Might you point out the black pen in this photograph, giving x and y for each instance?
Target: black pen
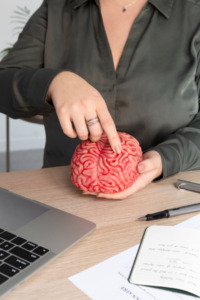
(172, 212)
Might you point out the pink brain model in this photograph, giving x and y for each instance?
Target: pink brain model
(96, 168)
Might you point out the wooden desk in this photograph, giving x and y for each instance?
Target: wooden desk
(117, 225)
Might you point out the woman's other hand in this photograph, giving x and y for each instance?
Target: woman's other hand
(77, 102)
(149, 169)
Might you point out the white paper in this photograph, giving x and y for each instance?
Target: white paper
(169, 257)
(109, 280)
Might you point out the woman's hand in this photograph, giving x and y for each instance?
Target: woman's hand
(149, 169)
(77, 102)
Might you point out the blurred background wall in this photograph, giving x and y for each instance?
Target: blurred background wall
(23, 135)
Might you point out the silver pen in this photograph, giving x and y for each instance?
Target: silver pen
(180, 184)
(187, 185)
(172, 212)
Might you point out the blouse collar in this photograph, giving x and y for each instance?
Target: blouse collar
(163, 6)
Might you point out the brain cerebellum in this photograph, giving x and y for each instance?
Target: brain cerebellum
(96, 168)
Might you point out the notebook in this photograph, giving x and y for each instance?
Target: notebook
(31, 235)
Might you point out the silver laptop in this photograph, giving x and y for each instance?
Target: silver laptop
(31, 235)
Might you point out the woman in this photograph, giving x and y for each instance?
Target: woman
(126, 65)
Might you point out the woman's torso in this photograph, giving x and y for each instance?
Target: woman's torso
(148, 85)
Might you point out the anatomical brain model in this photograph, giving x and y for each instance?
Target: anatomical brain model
(96, 168)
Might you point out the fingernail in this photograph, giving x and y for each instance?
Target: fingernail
(117, 149)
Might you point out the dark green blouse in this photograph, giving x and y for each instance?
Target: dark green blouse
(153, 95)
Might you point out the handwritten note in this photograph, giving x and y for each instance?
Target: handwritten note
(169, 257)
(109, 279)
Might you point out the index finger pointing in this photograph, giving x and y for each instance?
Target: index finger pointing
(109, 128)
